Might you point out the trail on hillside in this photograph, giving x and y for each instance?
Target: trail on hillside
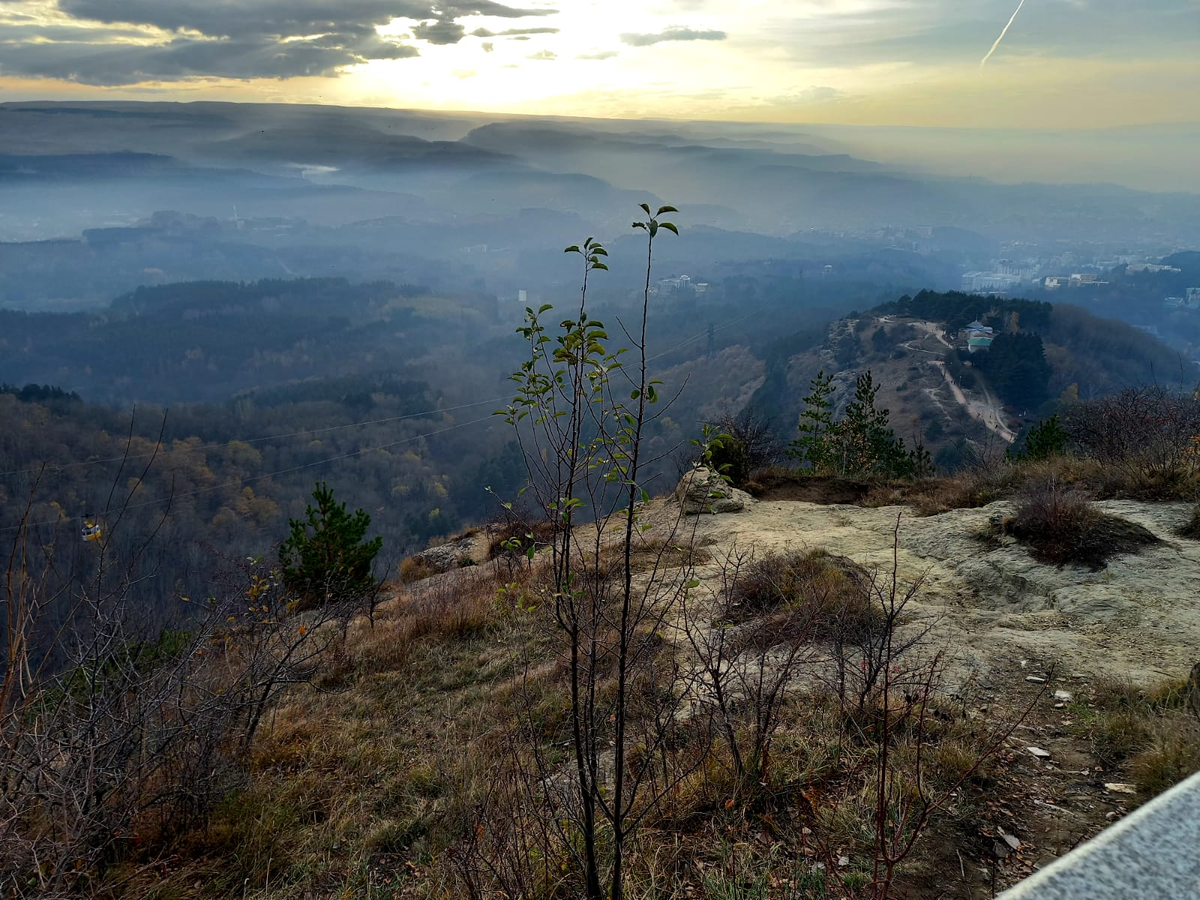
(987, 412)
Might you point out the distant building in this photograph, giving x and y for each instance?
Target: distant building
(978, 336)
(1193, 297)
(523, 298)
(678, 284)
(979, 342)
(1150, 269)
(988, 282)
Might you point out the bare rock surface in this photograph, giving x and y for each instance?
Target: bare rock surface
(1138, 617)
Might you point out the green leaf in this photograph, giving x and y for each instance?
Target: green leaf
(670, 227)
(665, 209)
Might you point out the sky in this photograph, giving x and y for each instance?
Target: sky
(1063, 64)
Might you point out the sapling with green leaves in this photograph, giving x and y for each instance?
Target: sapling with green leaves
(580, 413)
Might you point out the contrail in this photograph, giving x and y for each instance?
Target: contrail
(1002, 34)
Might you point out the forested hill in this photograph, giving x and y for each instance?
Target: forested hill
(223, 482)
(1040, 354)
(209, 340)
(1098, 356)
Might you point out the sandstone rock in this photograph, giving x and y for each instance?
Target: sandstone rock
(446, 557)
(1120, 788)
(704, 491)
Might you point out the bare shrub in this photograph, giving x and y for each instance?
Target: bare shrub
(1148, 432)
(110, 737)
(1061, 526)
(809, 593)
(516, 535)
(743, 674)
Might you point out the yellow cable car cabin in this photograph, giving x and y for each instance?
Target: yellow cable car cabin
(92, 531)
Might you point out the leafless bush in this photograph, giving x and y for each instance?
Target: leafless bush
(1148, 432)
(1061, 526)
(130, 736)
(742, 678)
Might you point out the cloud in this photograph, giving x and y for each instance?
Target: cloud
(281, 18)
(603, 54)
(511, 32)
(543, 55)
(443, 31)
(117, 64)
(671, 34)
(120, 42)
(488, 46)
(814, 94)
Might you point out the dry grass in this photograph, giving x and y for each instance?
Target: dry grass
(1147, 732)
(381, 768)
(1191, 528)
(1171, 754)
(415, 568)
(810, 592)
(373, 786)
(1061, 526)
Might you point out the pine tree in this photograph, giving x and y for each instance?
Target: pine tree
(1046, 439)
(327, 555)
(815, 445)
(868, 444)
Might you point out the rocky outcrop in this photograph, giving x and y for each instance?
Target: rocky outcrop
(449, 556)
(704, 491)
(1136, 618)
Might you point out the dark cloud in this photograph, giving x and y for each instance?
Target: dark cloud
(115, 64)
(672, 34)
(543, 55)
(240, 39)
(510, 32)
(603, 54)
(443, 31)
(281, 18)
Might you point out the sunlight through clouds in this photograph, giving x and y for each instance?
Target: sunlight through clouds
(853, 61)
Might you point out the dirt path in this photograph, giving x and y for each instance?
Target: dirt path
(933, 330)
(987, 412)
